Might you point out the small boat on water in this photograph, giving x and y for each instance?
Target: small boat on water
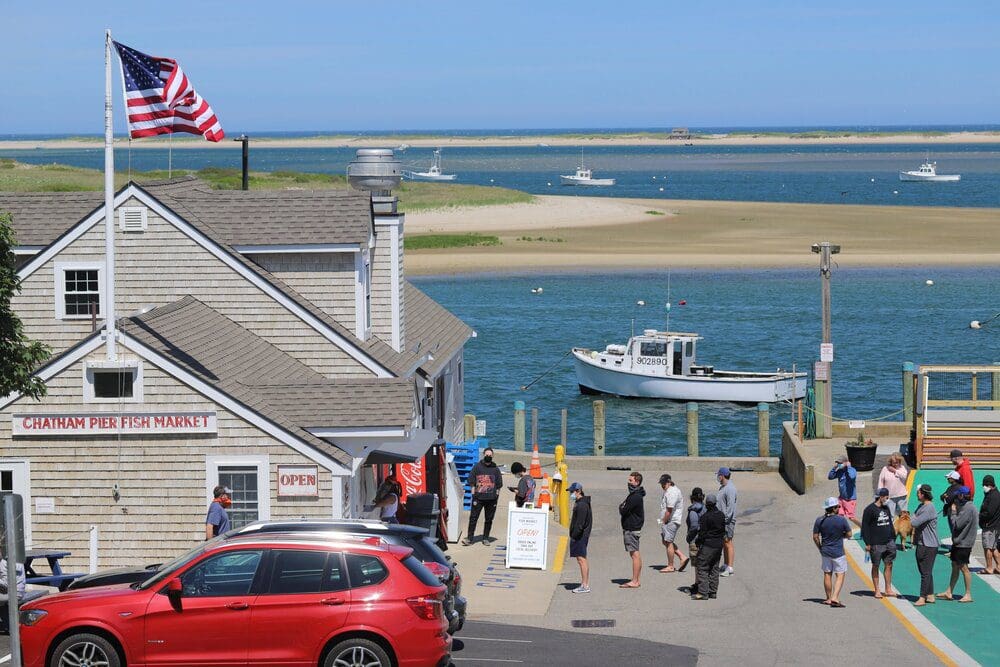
(433, 173)
(928, 172)
(661, 364)
(584, 176)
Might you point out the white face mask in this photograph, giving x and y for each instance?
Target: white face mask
(986, 489)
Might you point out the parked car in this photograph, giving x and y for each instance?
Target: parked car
(424, 548)
(275, 599)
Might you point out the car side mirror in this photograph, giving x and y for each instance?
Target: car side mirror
(175, 591)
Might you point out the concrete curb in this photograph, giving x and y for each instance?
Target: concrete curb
(757, 464)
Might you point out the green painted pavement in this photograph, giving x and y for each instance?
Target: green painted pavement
(972, 627)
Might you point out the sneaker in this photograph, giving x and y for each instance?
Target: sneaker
(581, 589)
(489, 540)
(727, 572)
(711, 596)
(722, 568)
(466, 542)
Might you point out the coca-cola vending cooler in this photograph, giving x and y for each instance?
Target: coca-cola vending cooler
(427, 475)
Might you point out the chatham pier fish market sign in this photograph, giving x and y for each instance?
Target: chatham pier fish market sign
(104, 423)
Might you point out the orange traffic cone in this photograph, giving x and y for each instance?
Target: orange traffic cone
(536, 464)
(543, 496)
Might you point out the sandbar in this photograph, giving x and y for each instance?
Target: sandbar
(595, 233)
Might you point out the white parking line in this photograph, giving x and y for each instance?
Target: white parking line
(484, 660)
(491, 639)
(6, 658)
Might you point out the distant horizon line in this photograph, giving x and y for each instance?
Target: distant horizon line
(714, 129)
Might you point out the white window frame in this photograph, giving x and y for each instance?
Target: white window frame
(20, 465)
(363, 295)
(124, 211)
(263, 464)
(60, 270)
(88, 380)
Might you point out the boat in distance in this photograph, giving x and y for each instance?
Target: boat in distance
(661, 364)
(585, 176)
(928, 173)
(433, 173)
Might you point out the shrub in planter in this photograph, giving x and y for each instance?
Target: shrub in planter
(861, 452)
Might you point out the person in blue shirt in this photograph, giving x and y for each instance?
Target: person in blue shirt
(217, 521)
(829, 532)
(846, 477)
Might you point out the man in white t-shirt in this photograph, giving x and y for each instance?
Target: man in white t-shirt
(671, 515)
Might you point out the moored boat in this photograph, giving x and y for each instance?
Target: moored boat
(585, 176)
(928, 173)
(661, 364)
(433, 173)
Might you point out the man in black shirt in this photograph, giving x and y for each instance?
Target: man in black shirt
(879, 536)
(633, 516)
(711, 531)
(485, 481)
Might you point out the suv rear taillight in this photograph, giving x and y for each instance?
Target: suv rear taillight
(427, 608)
(438, 570)
(458, 582)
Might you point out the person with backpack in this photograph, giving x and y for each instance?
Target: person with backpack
(524, 492)
(695, 511)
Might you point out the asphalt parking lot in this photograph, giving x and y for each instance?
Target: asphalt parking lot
(483, 643)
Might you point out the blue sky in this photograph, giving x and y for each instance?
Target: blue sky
(390, 65)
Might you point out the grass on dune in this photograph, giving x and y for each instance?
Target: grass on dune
(437, 241)
(19, 177)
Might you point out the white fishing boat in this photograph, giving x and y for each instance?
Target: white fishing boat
(433, 173)
(661, 364)
(928, 172)
(584, 176)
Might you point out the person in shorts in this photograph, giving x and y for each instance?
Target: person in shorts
(829, 533)
(847, 497)
(879, 536)
(989, 521)
(579, 534)
(633, 516)
(671, 515)
(964, 520)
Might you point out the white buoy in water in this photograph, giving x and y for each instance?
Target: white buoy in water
(668, 305)
(640, 302)
(654, 178)
(895, 192)
(873, 180)
(491, 180)
(661, 189)
(537, 290)
(975, 324)
(928, 282)
(549, 184)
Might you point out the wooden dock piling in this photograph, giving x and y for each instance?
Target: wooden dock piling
(763, 430)
(598, 428)
(518, 426)
(692, 429)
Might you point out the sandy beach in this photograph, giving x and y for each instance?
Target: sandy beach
(393, 141)
(582, 233)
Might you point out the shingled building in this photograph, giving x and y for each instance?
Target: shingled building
(268, 341)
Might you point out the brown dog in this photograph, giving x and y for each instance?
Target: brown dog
(903, 528)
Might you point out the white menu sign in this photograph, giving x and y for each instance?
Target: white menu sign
(527, 536)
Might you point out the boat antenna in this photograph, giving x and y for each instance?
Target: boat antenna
(668, 301)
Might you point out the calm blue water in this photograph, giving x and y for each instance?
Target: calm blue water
(864, 174)
(754, 320)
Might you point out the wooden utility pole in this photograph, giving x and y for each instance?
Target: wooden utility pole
(824, 393)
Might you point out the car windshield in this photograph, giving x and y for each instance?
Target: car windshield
(175, 564)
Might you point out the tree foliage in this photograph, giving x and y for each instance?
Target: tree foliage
(19, 357)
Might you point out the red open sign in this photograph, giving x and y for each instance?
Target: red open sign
(298, 481)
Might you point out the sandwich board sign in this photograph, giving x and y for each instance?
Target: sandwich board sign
(527, 536)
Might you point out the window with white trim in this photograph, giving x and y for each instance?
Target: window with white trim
(79, 291)
(248, 479)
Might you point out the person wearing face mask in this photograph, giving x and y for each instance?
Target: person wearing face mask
(964, 520)
(989, 521)
(579, 534)
(217, 521)
(633, 516)
(485, 480)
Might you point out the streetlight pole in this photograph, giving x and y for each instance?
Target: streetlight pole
(822, 375)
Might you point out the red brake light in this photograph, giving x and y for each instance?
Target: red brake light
(438, 570)
(458, 581)
(427, 608)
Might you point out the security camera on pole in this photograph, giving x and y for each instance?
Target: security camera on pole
(822, 375)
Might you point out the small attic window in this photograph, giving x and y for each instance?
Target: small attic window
(132, 218)
(113, 381)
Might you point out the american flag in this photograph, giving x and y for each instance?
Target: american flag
(161, 99)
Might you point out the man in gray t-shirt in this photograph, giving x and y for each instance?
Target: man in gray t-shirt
(727, 505)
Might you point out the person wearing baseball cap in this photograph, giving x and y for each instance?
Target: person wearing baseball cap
(964, 469)
(217, 520)
(829, 533)
(954, 481)
(727, 505)
(579, 533)
(846, 477)
(879, 537)
(710, 540)
(964, 520)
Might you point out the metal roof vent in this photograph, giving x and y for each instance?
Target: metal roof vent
(375, 170)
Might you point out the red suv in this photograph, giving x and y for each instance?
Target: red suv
(264, 600)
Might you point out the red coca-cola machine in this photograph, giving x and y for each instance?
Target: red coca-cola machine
(425, 475)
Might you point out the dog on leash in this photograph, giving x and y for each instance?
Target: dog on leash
(903, 529)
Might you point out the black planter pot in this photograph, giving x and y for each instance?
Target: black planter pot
(862, 458)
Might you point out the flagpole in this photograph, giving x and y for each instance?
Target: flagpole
(109, 207)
